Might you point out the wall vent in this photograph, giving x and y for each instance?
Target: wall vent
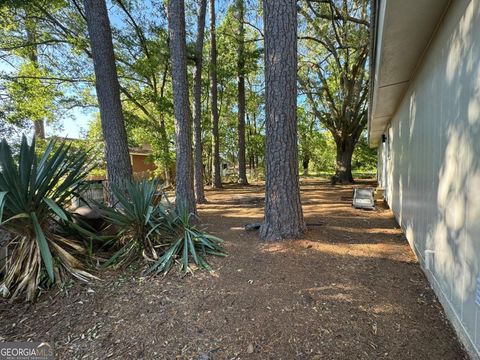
(429, 259)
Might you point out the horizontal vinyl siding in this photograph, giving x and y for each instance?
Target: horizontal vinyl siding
(432, 159)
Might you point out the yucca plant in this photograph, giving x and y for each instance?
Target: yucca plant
(187, 243)
(138, 222)
(34, 193)
(149, 226)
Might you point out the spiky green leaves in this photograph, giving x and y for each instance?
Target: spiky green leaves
(150, 226)
(188, 244)
(33, 195)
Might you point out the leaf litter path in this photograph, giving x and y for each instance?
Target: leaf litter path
(351, 289)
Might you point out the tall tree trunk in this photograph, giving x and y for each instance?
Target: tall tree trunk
(248, 135)
(255, 155)
(283, 209)
(209, 165)
(169, 171)
(119, 168)
(165, 154)
(242, 170)
(217, 180)
(30, 27)
(183, 118)
(305, 163)
(197, 94)
(343, 169)
(39, 129)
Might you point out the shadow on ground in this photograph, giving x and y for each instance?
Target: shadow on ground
(351, 289)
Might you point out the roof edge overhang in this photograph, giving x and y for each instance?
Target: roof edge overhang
(401, 34)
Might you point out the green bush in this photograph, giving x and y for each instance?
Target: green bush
(150, 227)
(47, 246)
(186, 243)
(137, 218)
(34, 193)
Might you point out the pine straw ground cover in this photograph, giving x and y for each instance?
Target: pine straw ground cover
(351, 289)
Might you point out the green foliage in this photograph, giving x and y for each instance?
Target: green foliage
(145, 79)
(47, 245)
(63, 75)
(34, 193)
(149, 226)
(227, 72)
(318, 148)
(52, 71)
(364, 157)
(94, 139)
(227, 49)
(29, 98)
(333, 72)
(92, 145)
(324, 155)
(40, 71)
(187, 244)
(138, 220)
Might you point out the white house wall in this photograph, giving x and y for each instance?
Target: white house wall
(432, 159)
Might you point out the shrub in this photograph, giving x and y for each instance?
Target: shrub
(34, 193)
(152, 228)
(138, 222)
(186, 244)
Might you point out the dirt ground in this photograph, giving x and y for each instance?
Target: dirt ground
(351, 289)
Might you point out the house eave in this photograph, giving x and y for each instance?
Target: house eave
(402, 33)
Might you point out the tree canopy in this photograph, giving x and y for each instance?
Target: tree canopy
(47, 75)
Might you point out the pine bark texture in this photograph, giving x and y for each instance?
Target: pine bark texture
(169, 170)
(242, 166)
(183, 118)
(119, 169)
(197, 95)
(283, 209)
(216, 176)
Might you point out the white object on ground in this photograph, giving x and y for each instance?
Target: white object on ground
(363, 198)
